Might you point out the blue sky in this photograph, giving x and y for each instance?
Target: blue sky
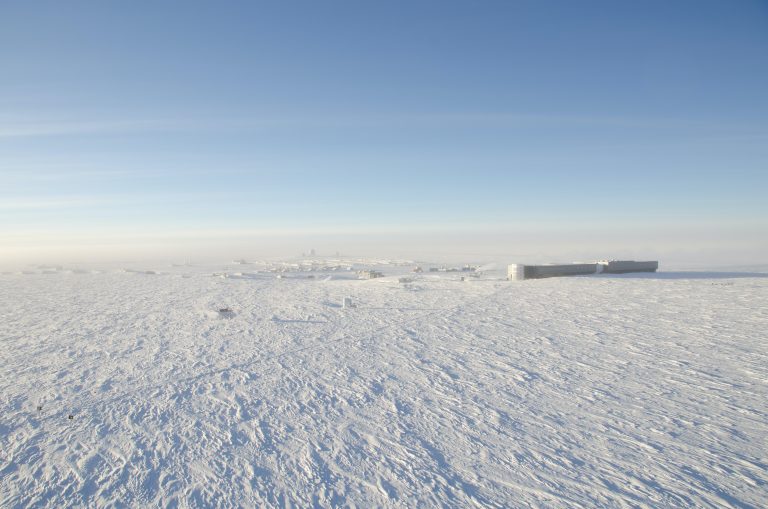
(186, 118)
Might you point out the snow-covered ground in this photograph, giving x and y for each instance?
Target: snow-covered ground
(633, 391)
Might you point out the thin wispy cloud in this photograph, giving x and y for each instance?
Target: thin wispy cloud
(11, 129)
(53, 202)
(32, 203)
(64, 174)
(434, 120)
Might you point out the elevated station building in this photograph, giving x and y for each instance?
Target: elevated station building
(519, 271)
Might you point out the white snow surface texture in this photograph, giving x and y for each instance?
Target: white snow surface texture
(570, 392)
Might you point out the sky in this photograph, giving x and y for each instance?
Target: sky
(527, 129)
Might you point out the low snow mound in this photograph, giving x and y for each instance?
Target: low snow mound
(217, 312)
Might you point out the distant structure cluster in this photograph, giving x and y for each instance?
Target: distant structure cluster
(369, 274)
(519, 271)
(465, 268)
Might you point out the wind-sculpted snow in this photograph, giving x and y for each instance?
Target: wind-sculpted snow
(581, 392)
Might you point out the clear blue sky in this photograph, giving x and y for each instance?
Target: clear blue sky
(188, 116)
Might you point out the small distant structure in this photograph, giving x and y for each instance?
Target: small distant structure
(346, 302)
(520, 272)
(417, 269)
(369, 274)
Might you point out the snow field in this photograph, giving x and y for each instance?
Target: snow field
(568, 392)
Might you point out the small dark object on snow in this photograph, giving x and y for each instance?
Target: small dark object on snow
(39, 409)
(71, 417)
(225, 310)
